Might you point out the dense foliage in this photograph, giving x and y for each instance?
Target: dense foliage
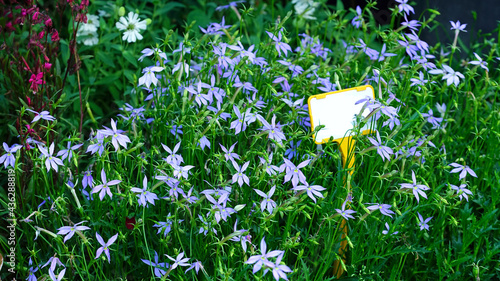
(174, 140)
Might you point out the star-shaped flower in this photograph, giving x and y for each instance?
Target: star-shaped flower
(116, 135)
(178, 261)
(463, 170)
(104, 246)
(418, 189)
(312, 190)
(104, 187)
(144, 195)
(69, 231)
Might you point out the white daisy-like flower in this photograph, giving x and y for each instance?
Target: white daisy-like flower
(305, 8)
(91, 25)
(87, 38)
(132, 27)
(87, 32)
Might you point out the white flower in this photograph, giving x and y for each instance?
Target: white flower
(305, 8)
(88, 39)
(87, 32)
(452, 76)
(91, 25)
(149, 76)
(132, 27)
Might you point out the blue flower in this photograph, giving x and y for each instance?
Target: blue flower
(8, 159)
(144, 195)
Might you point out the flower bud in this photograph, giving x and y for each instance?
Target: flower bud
(55, 36)
(121, 11)
(148, 21)
(48, 22)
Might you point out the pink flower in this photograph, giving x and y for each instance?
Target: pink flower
(55, 36)
(36, 80)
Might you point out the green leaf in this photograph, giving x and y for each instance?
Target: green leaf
(108, 79)
(130, 58)
(13, 130)
(106, 59)
(340, 5)
(200, 17)
(108, 37)
(168, 7)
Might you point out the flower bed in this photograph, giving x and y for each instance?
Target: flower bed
(205, 167)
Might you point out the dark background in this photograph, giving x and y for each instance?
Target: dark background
(486, 20)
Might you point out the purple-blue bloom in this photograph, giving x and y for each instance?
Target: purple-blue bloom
(8, 158)
(149, 76)
(173, 158)
(279, 269)
(32, 270)
(420, 81)
(416, 188)
(116, 135)
(423, 223)
(463, 170)
(262, 259)
(413, 24)
(345, 213)
(144, 195)
(178, 261)
(239, 124)
(181, 171)
(98, 146)
(175, 191)
(207, 226)
(267, 203)
(435, 121)
(457, 26)
(421, 45)
(68, 153)
(294, 173)
(383, 54)
(358, 19)
(203, 142)
(231, 4)
(176, 130)
(147, 52)
(239, 176)
(104, 187)
(270, 169)
(104, 246)
(159, 268)
(384, 208)
(87, 180)
(50, 161)
(462, 191)
(164, 227)
(273, 130)
(229, 154)
(383, 151)
(45, 115)
(404, 6)
(280, 46)
(240, 238)
(292, 151)
(312, 190)
(385, 232)
(69, 231)
(196, 265)
(479, 62)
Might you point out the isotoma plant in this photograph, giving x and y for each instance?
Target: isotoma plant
(209, 169)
